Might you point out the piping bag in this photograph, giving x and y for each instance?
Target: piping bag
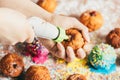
(46, 30)
(42, 29)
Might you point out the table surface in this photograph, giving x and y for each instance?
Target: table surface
(59, 70)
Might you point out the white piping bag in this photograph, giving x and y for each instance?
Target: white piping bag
(46, 30)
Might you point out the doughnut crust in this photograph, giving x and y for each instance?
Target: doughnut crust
(92, 19)
(37, 73)
(75, 40)
(76, 77)
(113, 38)
(12, 65)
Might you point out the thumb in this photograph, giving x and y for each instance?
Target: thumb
(84, 30)
(30, 34)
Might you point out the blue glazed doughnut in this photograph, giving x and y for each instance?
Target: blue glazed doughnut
(102, 58)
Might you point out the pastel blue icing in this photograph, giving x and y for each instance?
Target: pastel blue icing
(103, 70)
(102, 59)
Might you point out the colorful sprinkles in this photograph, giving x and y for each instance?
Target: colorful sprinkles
(102, 59)
(111, 13)
(37, 52)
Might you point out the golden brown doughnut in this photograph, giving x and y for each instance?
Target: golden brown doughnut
(37, 73)
(12, 65)
(92, 19)
(75, 40)
(76, 77)
(113, 38)
(49, 5)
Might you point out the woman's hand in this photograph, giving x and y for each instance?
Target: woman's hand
(66, 23)
(14, 27)
(70, 22)
(57, 49)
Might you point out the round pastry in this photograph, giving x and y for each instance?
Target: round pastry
(76, 77)
(113, 38)
(102, 56)
(92, 19)
(37, 73)
(48, 5)
(75, 40)
(12, 65)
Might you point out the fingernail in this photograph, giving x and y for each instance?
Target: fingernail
(81, 54)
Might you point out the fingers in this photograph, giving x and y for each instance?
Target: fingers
(30, 38)
(88, 47)
(61, 49)
(22, 38)
(84, 30)
(58, 51)
(81, 53)
(13, 43)
(70, 54)
(6, 42)
(86, 35)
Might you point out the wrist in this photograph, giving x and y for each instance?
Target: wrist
(47, 16)
(51, 18)
(29, 10)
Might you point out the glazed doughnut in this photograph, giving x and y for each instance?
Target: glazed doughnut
(12, 65)
(75, 40)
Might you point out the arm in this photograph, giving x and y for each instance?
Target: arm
(26, 7)
(14, 27)
(29, 9)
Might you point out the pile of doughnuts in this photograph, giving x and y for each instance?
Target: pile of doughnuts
(12, 65)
